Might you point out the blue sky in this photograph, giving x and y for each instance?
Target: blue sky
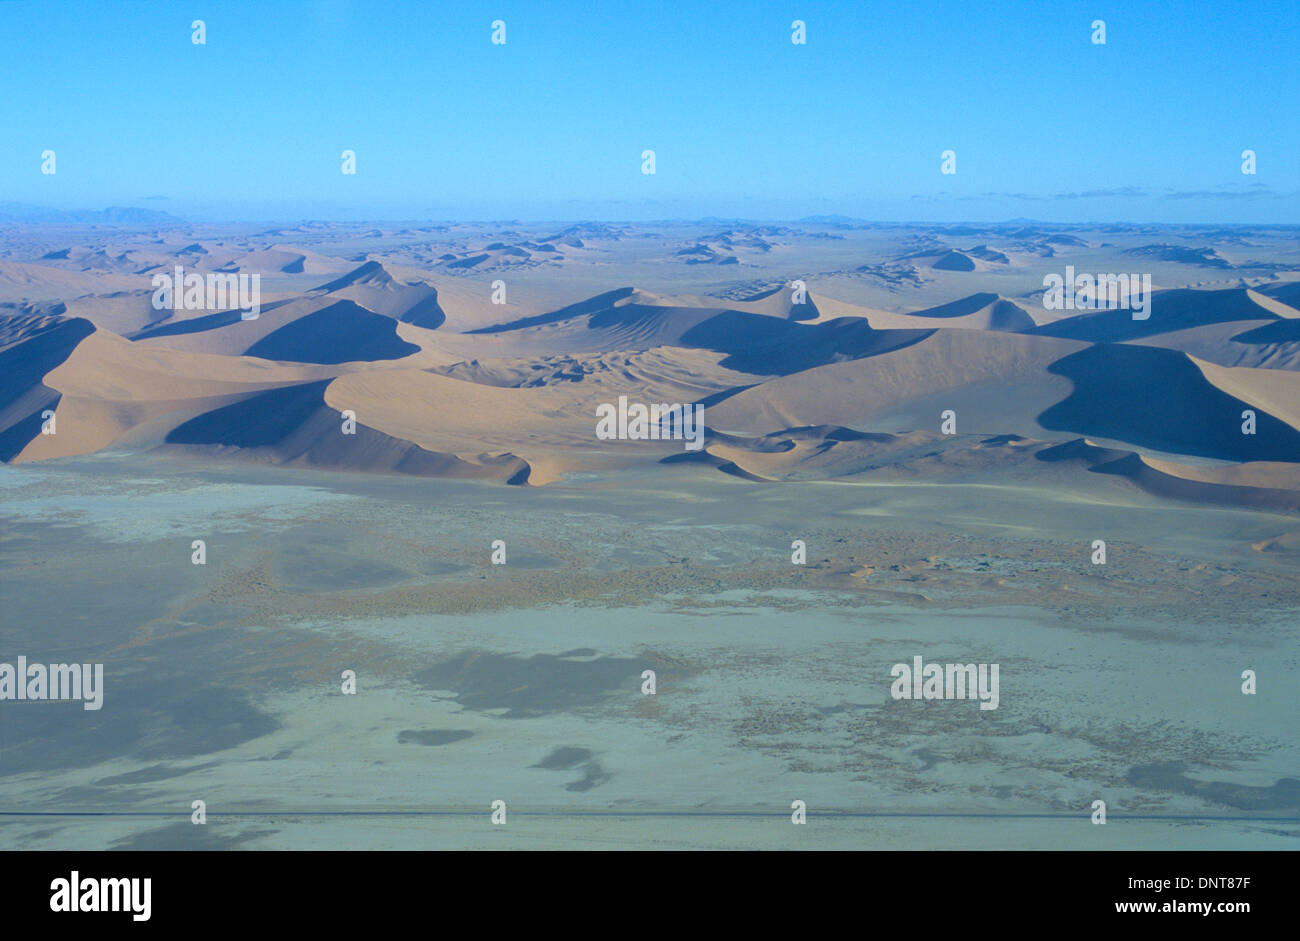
(445, 125)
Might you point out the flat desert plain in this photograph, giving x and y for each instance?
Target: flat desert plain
(366, 564)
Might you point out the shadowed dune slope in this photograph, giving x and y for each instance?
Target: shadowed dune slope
(776, 342)
(201, 324)
(1287, 292)
(1145, 396)
(591, 305)
(1170, 311)
(25, 364)
(296, 426)
(19, 322)
(766, 346)
(981, 311)
(108, 387)
(829, 452)
(23, 394)
(939, 364)
(984, 311)
(262, 420)
(1160, 399)
(400, 331)
(358, 304)
(379, 290)
(1262, 484)
(341, 333)
(779, 302)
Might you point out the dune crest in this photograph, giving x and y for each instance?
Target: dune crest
(467, 351)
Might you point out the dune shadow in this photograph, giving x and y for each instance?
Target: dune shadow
(261, 420)
(344, 332)
(1157, 398)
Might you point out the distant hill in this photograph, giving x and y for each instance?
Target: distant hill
(113, 215)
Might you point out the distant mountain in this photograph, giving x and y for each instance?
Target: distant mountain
(113, 215)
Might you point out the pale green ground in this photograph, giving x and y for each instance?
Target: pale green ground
(222, 682)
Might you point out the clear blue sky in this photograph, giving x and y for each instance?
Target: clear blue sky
(1148, 127)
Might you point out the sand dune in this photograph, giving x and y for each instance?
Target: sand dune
(102, 386)
(983, 311)
(1277, 393)
(350, 318)
(124, 313)
(341, 332)
(939, 257)
(1170, 311)
(944, 367)
(28, 281)
(295, 425)
(620, 320)
(498, 256)
(768, 335)
(830, 452)
(1262, 344)
(19, 322)
(1165, 400)
(809, 453)
(852, 380)
(284, 259)
(382, 291)
(24, 394)
(1262, 484)
(1287, 292)
(1288, 543)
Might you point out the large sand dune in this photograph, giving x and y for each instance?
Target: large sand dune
(800, 377)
